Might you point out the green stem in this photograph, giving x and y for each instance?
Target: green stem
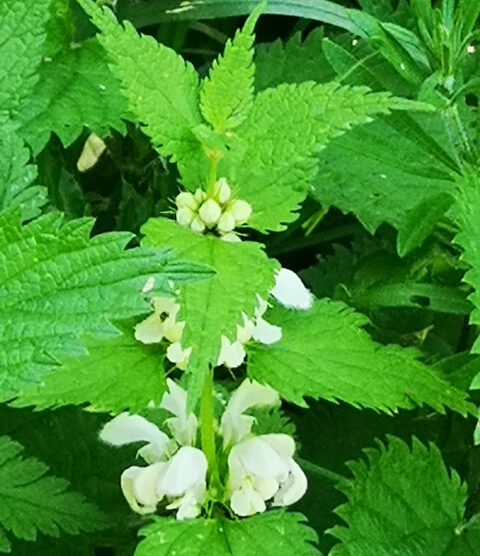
(212, 178)
(207, 425)
(320, 471)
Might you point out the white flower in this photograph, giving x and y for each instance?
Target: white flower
(234, 425)
(240, 210)
(181, 477)
(210, 212)
(222, 191)
(290, 291)
(184, 425)
(178, 355)
(231, 354)
(262, 468)
(152, 329)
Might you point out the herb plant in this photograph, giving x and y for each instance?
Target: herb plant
(240, 278)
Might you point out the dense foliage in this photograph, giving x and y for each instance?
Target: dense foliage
(168, 385)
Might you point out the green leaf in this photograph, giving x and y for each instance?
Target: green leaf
(30, 502)
(162, 89)
(345, 363)
(276, 533)
(274, 163)
(17, 177)
(22, 34)
(420, 221)
(362, 174)
(75, 90)
(406, 502)
(468, 238)
(57, 284)
(227, 93)
(120, 374)
(295, 61)
(213, 308)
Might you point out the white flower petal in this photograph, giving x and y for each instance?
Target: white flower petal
(139, 486)
(125, 429)
(232, 354)
(186, 469)
(165, 305)
(188, 506)
(293, 488)
(185, 216)
(222, 191)
(176, 354)
(253, 457)
(262, 307)
(184, 425)
(150, 330)
(283, 444)
(231, 237)
(240, 210)
(149, 285)
(210, 212)
(244, 333)
(247, 501)
(290, 291)
(186, 200)
(173, 330)
(266, 333)
(265, 487)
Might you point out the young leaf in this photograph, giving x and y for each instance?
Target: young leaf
(75, 90)
(344, 363)
(22, 34)
(227, 93)
(406, 502)
(30, 502)
(57, 283)
(275, 162)
(119, 374)
(214, 307)
(275, 533)
(17, 177)
(162, 89)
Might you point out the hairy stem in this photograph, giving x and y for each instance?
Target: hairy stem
(320, 471)
(207, 425)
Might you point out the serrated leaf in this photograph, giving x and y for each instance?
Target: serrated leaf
(404, 502)
(162, 89)
(294, 61)
(420, 221)
(227, 93)
(120, 374)
(274, 163)
(468, 237)
(31, 502)
(342, 362)
(57, 283)
(22, 34)
(76, 89)
(17, 177)
(275, 533)
(214, 307)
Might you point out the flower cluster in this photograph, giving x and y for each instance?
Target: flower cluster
(261, 469)
(219, 212)
(162, 324)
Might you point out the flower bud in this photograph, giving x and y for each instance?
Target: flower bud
(240, 210)
(197, 225)
(186, 200)
(222, 191)
(200, 195)
(226, 223)
(231, 237)
(185, 216)
(210, 212)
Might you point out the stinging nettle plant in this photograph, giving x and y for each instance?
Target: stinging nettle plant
(199, 346)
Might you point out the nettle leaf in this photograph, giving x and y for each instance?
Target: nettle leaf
(76, 89)
(342, 362)
(213, 308)
(57, 283)
(31, 502)
(294, 61)
(276, 533)
(162, 89)
(17, 177)
(22, 34)
(227, 93)
(275, 161)
(468, 238)
(119, 374)
(404, 502)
